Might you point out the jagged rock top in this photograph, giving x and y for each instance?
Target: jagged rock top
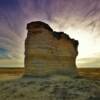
(58, 35)
(38, 24)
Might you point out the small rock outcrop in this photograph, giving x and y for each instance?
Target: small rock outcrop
(48, 52)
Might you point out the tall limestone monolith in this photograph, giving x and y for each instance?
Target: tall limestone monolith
(48, 52)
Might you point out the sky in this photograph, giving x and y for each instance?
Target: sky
(78, 18)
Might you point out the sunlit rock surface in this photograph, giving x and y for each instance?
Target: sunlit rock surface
(48, 52)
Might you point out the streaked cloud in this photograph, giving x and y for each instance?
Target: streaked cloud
(78, 18)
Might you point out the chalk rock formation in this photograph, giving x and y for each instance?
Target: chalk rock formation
(48, 52)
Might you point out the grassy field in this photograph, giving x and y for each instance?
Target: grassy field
(90, 72)
(11, 73)
(7, 73)
(11, 70)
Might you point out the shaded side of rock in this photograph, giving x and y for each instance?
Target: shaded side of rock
(48, 52)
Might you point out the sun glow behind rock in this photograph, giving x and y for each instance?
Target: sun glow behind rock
(88, 44)
(85, 41)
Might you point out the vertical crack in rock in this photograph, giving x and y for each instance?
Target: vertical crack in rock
(48, 52)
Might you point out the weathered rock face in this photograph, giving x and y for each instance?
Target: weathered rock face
(48, 52)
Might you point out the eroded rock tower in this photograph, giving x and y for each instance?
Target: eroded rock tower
(48, 52)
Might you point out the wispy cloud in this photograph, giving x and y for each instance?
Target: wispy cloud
(79, 18)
